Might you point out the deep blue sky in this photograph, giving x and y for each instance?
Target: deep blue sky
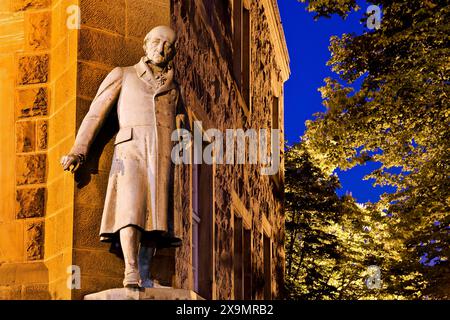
(308, 42)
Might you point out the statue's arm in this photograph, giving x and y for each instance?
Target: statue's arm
(101, 105)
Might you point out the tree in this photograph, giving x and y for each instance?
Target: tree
(330, 241)
(398, 117)
(325, 8)
(311, 211)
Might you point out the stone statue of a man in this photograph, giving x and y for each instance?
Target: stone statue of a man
(137, 204)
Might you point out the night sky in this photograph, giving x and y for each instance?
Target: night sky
(308, 42)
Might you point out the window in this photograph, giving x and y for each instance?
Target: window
(202, 229)
(195, 223)
(276, 126)
(267, 268)
(242, 260)
(238, 259)
(275, 113)
(246, 51)
(267, 257)
(247, 260)
(237, 40)
(242, 250)
(242, 49)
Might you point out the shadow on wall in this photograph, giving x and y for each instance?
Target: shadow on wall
(107, 132)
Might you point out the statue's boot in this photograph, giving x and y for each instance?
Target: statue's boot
(129, 239)
(146, 254)
(131, 278)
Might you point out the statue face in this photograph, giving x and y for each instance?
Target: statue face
(159, 45)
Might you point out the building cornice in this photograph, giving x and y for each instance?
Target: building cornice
(277, 37)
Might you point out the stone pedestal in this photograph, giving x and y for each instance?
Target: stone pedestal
(144, 294)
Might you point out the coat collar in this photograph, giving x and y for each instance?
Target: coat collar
(143, 71)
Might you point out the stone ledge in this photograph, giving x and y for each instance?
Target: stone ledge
(146, 294)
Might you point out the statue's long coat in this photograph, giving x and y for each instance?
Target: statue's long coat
(141, 176)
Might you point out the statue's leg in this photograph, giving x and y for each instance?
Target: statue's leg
(129, 239)
(146, 254)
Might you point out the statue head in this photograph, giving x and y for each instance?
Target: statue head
(159, 45)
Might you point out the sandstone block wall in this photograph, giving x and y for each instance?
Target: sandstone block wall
(49, 74)
(111, 35)
(38, 94)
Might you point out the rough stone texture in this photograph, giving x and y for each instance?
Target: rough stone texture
(182, 204)
(22, 274)
(31, 169)
(42, 134)
(95, 283)
(25, 50)
(12, 244)
(33, 69)
(64, 91)
(89, 79)
(106, 15)
(163, 268)
(108, 49)
(25, 136)
(10, 292)
(153, 12)
(38, 31)
(204, 70)
(88, 219)
(21, 5)
(35, 240)
(36, 292)
(98, 263)
(30, 203)
(88, 195)
(32, 102)
(60, 134)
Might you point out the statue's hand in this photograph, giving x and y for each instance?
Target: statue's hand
(73, 160)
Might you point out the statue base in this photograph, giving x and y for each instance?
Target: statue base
(144, 294)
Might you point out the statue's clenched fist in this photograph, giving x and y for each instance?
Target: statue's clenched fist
(72, 160)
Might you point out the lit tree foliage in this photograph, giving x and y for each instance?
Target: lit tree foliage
(325, 8)
(312, 209)
(331, 242)
(399, 117)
